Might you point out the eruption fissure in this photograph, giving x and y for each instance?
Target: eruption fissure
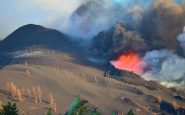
(130, 61)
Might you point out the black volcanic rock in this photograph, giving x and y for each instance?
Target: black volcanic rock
(130, 78)
(34, 35)
(170, 109)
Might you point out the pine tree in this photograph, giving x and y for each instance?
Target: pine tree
(9, 109)
(78, 108)
(49, 113)
(130, 112)
(1, 107)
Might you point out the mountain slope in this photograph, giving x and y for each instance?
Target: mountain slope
(65, 77)
(34, 35)
(57, 70)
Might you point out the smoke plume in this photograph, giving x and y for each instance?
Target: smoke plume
(162, 23)
(159, 21)
(152, 29)
(118, 40)
(181, 39)
(166, 67)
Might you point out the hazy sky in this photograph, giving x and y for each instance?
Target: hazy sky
(15, 13)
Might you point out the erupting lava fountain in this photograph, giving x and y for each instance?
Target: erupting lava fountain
(130, 61)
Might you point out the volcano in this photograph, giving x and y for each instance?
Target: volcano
(34, 35)
(35, 57)
(101, 57)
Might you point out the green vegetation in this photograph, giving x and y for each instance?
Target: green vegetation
(118, 113)
(78, 107)
(49, 113)
(1, 107)
(114, 113)
(9, 109)
(116, 76)
(130, 112)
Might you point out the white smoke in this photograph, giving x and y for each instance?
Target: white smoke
(90, 18)
(94, 16)
(166, 67)
(181, 39)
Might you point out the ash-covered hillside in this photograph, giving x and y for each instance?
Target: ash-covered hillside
(35, 35)
(29, 39)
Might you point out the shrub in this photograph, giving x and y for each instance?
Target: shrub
(78, 107)
(114, 113)
(49, 113)
(1, 107)
(15, 92)
(130, 112)
(52, 102)
(9, 109)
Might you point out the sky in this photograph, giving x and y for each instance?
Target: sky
(16, 13)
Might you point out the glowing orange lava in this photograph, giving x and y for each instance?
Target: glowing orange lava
(130, 62)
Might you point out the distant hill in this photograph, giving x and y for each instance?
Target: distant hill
(34, 35)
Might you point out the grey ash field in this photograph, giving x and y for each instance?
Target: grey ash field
(66, 73)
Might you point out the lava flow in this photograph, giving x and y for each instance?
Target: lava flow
(130, 61)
